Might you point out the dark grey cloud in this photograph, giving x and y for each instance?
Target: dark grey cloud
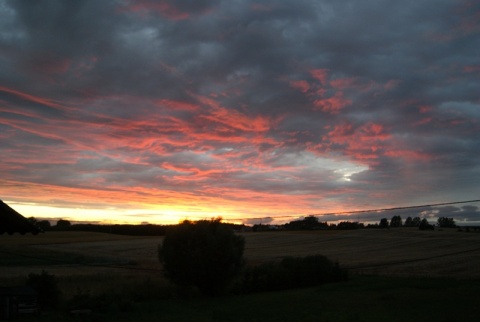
(345, 104)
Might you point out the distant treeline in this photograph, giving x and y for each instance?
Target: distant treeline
(307, 223)
(124, 229)
(119, 229)
(312, 223)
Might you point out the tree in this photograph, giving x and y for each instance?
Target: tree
(445, 222)
(311, 222)
(33, 220)
(424, 225)
(416, 221)
(63, 223)
(384, 223)
(412, 222)
(409, 222)
(307, 223)
(396, 221)
(44, 225)
(205, 254)
(348, 225)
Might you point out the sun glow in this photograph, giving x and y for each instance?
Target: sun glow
(101, 216)
(155, 214)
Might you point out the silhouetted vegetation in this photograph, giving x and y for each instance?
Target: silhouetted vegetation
(412, 222)
(63, 223)
(308, 223)
(396, 221)
(44, 225)
(125, 229)
(362, 298)
(46, 286)
(445, 222)
(349, 225)
(383, 223)
(424, 225)
(204, 254)
(290, 272)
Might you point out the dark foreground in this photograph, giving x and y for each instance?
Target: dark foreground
(362, 298)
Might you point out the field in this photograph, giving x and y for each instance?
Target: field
(95, 262)
(406, 252)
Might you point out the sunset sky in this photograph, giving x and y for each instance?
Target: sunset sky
(255, 111)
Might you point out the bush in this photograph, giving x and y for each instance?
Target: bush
(204, 254)
(291, 272)
(46, 286)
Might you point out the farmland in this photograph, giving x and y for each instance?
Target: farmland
(388, 269)
(406, 252)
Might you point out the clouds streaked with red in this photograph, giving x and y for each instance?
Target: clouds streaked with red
(240, 109)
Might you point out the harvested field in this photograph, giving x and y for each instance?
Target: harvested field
(402, 251)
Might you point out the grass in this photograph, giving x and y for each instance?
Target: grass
(363, 298)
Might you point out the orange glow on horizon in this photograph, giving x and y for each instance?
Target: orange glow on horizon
(140, 205)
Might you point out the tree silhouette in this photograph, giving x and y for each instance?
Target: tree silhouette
(205, 254)
(409, 222)
(383, 223)
(307, 223)
(424, 225)
(416, 221)
(63, 223)
(44, 225)
(446, 222)
(396, 221)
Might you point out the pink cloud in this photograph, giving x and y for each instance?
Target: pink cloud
(362, 85)
(343, 83)
(332, 104)
(301, 85)
(391, 84)
(425, 109)
(363, 143)
(159, 133)
(320, 75)
(32, 98)
(232, 119)
(370, 141)
(178, 105)
(423, 121)
(409, 155)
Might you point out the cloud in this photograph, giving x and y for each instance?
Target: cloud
(246, 109)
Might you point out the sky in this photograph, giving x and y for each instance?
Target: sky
(254, 111)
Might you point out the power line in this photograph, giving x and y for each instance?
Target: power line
(363, 211)
(397, 208)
